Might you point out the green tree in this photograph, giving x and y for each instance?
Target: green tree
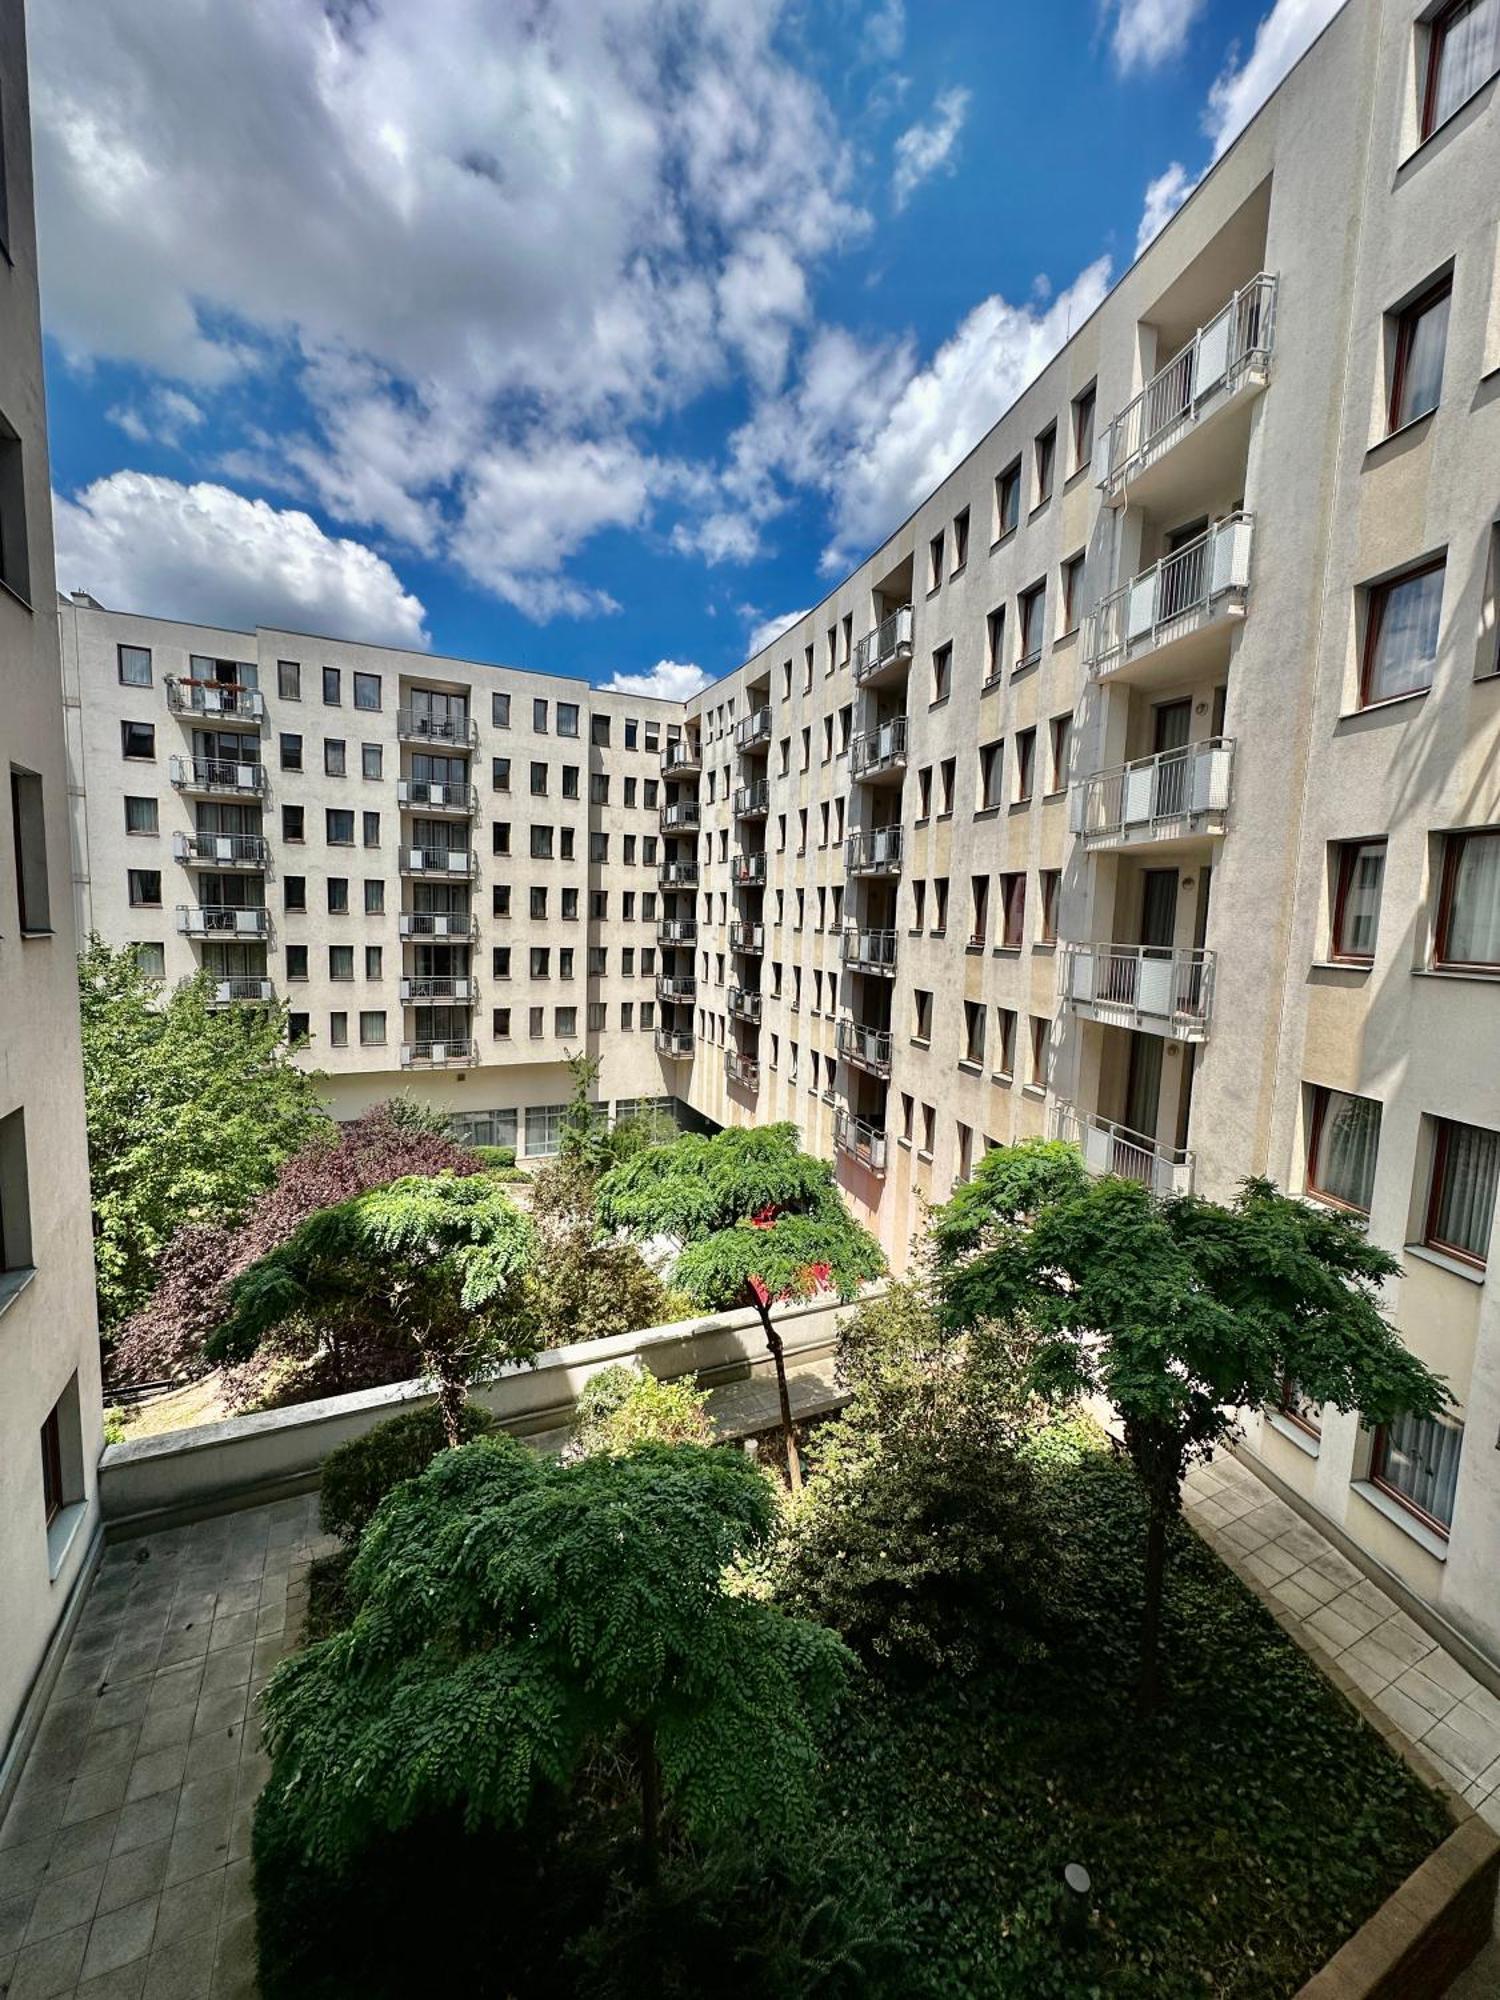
(1180, 1312)
(760, 1223)
(586, 1286)
(442, 1263)
(190, 1110)
(515, 1619)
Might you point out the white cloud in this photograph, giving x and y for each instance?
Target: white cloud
(1164, 196)
(1148, 33)
(769, 629)
(164, 416)
(885, 30)
(1283, 36)
(670, 680)
(927, 147)
(144, 543)
(720, 536)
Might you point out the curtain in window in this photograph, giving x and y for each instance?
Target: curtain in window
(1406, 637)
(1419, 1460)
(1469, 53)
(1366, 871)
(1468, 1171)
(1473, 927)
(1422, 364)
(1348, 1140)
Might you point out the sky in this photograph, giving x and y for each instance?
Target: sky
(594, 336)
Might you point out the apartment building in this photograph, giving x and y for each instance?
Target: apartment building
(49, 1351)
(1143, 788)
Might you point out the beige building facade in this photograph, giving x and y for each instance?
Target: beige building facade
(49, 1351)
(1143, 788)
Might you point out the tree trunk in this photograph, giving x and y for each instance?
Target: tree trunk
(789, 1435)
(650, 1770)
(453, 1393)
(1156, 1451)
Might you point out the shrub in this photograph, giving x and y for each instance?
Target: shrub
(622, 1407)
(585, 1288)
(491, 1157)
(357, 1477)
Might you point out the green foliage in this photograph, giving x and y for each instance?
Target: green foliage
(495, 1157)
(190, 1110)
(622, 1407)
(585, 1287)
(1010, 1184)
(700, 1184)
(114, 1425)
(358, 1475)
(515, 1616)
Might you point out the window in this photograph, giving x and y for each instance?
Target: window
(1025, 765)
(14, 565)
(567, 718)
(1046, 461)
(1417, 362)
(369, 824)
(1300, 1410)
(1401, 634)
(994, 645)
(15, 1195)
(144, 888)
(367, 695)
(960, 540)
(374, 900)
(292, 823)
(1049, 883)
(1008, 500)
(500, 961)
(332, 688)
(1468, 930)
(341, 961)
(1040, 1029)
(374, 956)
(1461, 1202)
(538, 905)
(1415, 1460)
(565, 1021)
(298, 1029)
(1072, 592)
(539, 717)
(1343, 1140)
(151, 959)
(370, 760)
(538, 781)
(500, 1024)
(929, 1129)
(921, 1028)
(599, 731)
(500, 836)
(134, 666)
(29, 833)
(942, 673)
(338, 901)
(339, 827)
(289, 679)
(333, 757)
(1013, 911)
(1060, 729)
(1359, 870)
(991, 761)
(296, 962)
(974, 1012)
(138, 740)
(1463, 53)
(500, 899)
(544, 1127)
(1005, 1041)
(338, 1031)
(1032, 605)
(1083, 428)
(924, 792)
(598, 788)
(371, 1028)
(294, 892)
(947, 771)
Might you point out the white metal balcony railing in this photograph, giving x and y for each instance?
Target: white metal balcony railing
(1234, 346)
(1156, 798)
(677, 930)
(869, 951)
(439, 1055)
(743, 1071)
(243, 990)
(421, 989)
(1206, 578)
(1109, 1148)
(748, 871)
(866, 1048)
(1150, 987)
(752, 731)
(752, 801)
(217, 774)
(677, 874)
(745, 1006)
(422, 728)
(681, 813)
(682, 759)
(676, 986)
(242, 704)
(221, 850)
(875, 751)
(221, 920)
(675, 1043)
(437, 861)
(859, 1138)
(437, 924)
(433, 797)
(885, 647)
(748, 938)
(875, 851)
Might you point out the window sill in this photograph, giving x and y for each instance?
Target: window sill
(1425, 1538)
(1404, 430)
(991, 682)
(974, 948)
(957, 570)
(62, 1531)
(48, 931)
(986, 812)
(1021, 805)
(923, 1154)
(938, 701)
(1006, 951)
(1463, 974)
(1029, 665)
(970, 1067)
(1040, 508)
(9, 590)
(13, 1283)
(1293, 1433)
(1033, 1090)
(1005, 1076)
(1043, 944)
(1438, 130)
(1472, 1274)
(1359, 965)
(921, 1042)
(1390, 701)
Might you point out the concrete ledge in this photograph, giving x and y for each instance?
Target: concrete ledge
(33, 1707)
(241, 1461)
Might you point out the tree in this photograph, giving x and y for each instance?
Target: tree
(760, 1222)
(190, 1108)
(167, 1336)
(1180, 1312)
(516, 1618)
(587, 1286)
(440, 1263)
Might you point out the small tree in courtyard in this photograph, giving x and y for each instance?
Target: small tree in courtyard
(441, 1263)
(1180, 1312)
(760, 1221)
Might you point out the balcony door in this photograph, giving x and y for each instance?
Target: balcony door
(1171, 724)
(1158, 910)
(1182, 582)
(1143, 1087)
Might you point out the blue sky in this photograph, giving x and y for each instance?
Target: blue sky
(589, 335)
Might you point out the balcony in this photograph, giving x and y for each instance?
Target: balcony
(422, 991)
(885, 653)
(1175, 796)
(869, 951)
(215, 776)
(677, 874)
(221, 850)
(244, 990)
(676, 1044)
(1169, 435)
(1114, 1149)
(681, 814)
(752, 732)
(745, 1006)
(741, 1072)
(876, 851)
(878, 755)
(214, 699)
(424, 795)
(444, 861)
(866, 1048)
(748, 871)
(676, 986)
(677, 930)
(1148, 987)
(860, 1139)
(450, 924)
(439, 1055)
(219, 920)
(752, 801)
(682, 759)
(1152, 627)
(747, 938)
(414, 726)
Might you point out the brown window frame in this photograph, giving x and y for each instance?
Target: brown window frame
(1044, 448)
(1406, 323)
(1437, 34)
(1377, 595)
(1377, 1476)
(1049, 889)
(1452, 848)
(1284, 1408)
(1430, 1239)
(1031, 600)
(1085, 407)
(1349, 853)
(53, 1501)
(1012, 909)
(1321, 1094)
